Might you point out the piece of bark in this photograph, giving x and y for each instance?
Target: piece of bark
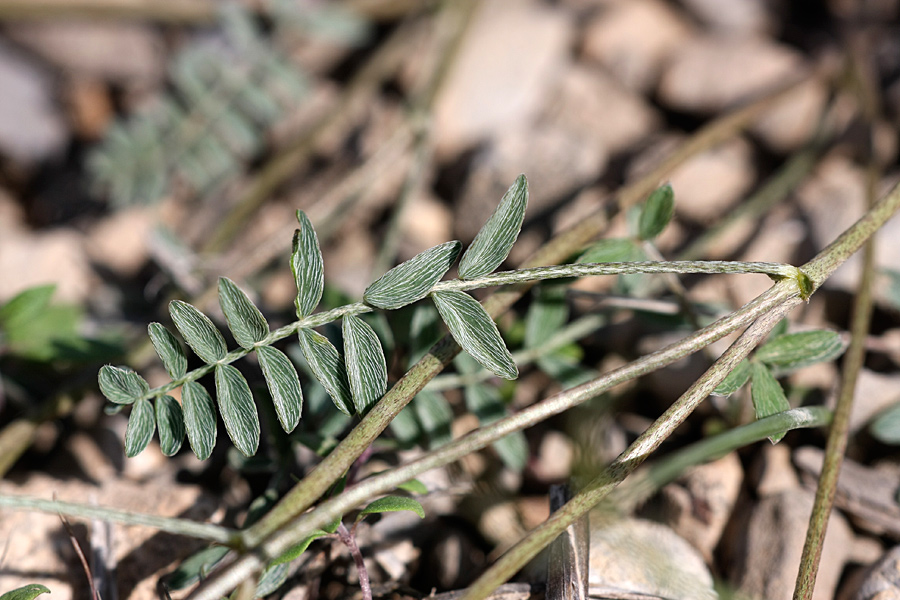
(868, 495)
(567, 571)
(882, 582)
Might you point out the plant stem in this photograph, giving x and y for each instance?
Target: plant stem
(349, 540)
(202, 531)
(643, 484)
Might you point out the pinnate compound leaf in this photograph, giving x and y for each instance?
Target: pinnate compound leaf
(141, 425)
(28, 592)
(326, 364)
(170, 423)
(734, 380)
(300, 548)
(237, 408)
(198, 331)
(365, 362)
(168, 349)
(794, 350)
(768, 397)
(413, 279)
(121, 385)
(610, 250)
(284, 385)
(657, 212)
(496, 238)
(475, 331)
(247, 324)
(307, 265)
(392, 504)
(199, 418)
(885, 427)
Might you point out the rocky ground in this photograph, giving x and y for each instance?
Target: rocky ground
(398, 129)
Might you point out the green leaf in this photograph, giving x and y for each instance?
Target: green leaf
(609, 250)
(768, 397)
(168, 349)
(366, 365)
(327, 367)
(121, 385)
(198, 331)
(300, 548)
(734, 380)
(794, 350)
(657, 212)
(392, 504)
(435, 417)
(891, 291)
(413, 279)
(284, 385)
(496, 238)
(475, 331)
(237, 408)
(194, 567)
(547, 314)
(247, 324)
(141, 425)
(170, 423)
(565, 368)
(413, 486)
(424, 330)
(26, 306)
(405, 426)
(885, 427)
(28, 592)
(199, 418)
(271, 579)
(485, 403)
(307, 265)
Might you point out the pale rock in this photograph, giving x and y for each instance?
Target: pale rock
(739, 17)
(32, 127)
(350, 265)
(512, 51)
(882, 582)
(710, 492)
(590, 102)
(874, 393)
(585, 204)
(773, 473)
(791, 122)
(642, 557)
(711, 73)
(707, 185)
(770, 549)
(554, 457)
(556, 162)
(115, 51)
(425, 222)
(120, 241)
(832, 200)
(620, 39)
(54, 256)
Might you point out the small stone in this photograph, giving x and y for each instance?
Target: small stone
(711, 491)
(556, 162)
(425, 222)
(641, 557)
(882, 582)
(120, 241)
(90, 107)
(617, 39)
(590, 102)
(771, 547)
(791, 122)
(54, 256)
(554, 457)
(120, 52)
(874, 393)
(832, 200)
(31, 125)
(773, 471)
(498, 80)
(738, 17)
(712, 73)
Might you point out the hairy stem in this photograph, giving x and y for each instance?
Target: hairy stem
(349, 540)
